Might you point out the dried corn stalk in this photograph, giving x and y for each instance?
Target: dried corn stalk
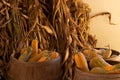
(61, 25)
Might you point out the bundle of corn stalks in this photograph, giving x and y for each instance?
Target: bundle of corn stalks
(61, 25)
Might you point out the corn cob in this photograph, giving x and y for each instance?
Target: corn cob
(81, 61)
(34, 46)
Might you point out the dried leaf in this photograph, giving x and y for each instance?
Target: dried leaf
(47, 28)
(8, 4)
(66, 55)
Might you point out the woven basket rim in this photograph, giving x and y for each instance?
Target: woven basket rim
(88, 73)
(32, 63)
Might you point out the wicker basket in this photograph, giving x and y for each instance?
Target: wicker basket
(80, 75)
(49, 70)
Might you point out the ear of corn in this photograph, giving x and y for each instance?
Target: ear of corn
(42, 59)
(35, 58)
(107, 53)
(115, 58)
(107, 69)
(39, 51)
(101, 51)
(38, 56)
(26, 54)
(93, 53)
(86, 52)
(116, 71)
(34, 54)
(113, 68)
(34, 46)
(22, 57)
(29, 53)
(54, 55)
(23, 51)
(98, 62)
(81, 61)
(98, 70)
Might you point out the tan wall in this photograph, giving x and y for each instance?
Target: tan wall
(106, 33)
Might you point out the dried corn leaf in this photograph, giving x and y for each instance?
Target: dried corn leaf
(61, 25)
(47, 29)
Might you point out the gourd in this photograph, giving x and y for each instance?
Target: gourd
(81, 61)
